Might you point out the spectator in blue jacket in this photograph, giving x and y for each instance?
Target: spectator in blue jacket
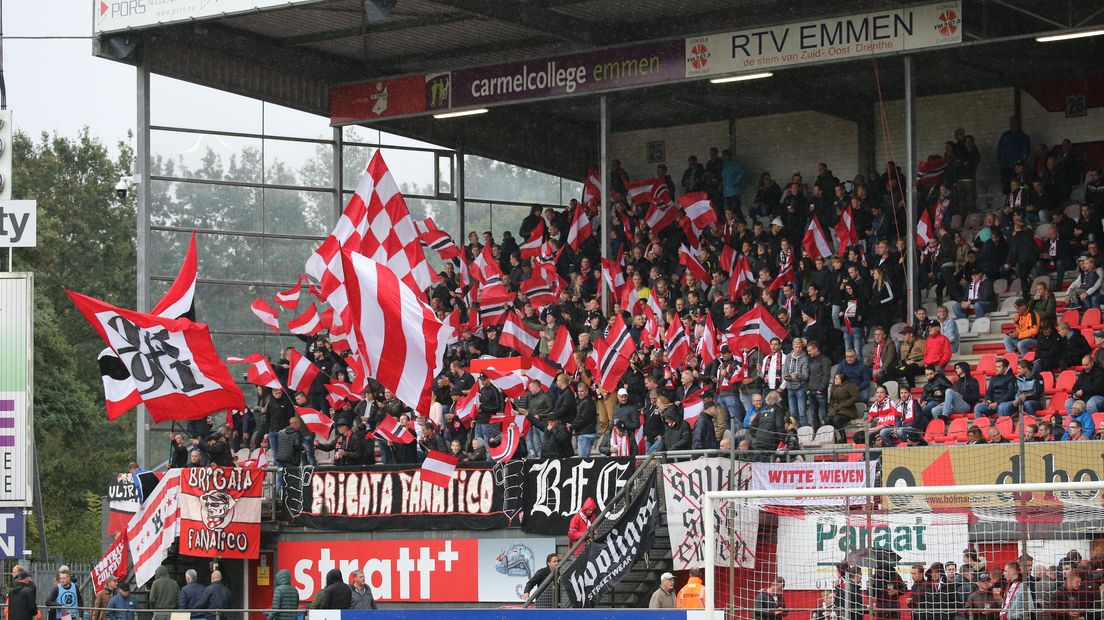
(857, 372)
(191, 594)
(1082, 417)
(122, 606)
(1002, 391)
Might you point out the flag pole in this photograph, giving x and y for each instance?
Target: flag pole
(603, 192)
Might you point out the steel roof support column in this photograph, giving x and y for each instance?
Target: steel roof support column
(910, 189)
(142, 199)
(458, 187)
(603, 166)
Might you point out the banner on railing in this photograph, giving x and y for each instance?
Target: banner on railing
(685, 486)
(555, 489)
(479, 497)
(609, 557)
(220, 512)
(114, 562)
(466, 570)
(799, 476)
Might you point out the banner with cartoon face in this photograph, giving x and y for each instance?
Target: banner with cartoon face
(220, 512)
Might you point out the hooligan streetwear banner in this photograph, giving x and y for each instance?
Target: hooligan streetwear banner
(609, 557)
(114, 562)
(220, 512)
(555, 489)
(685, 486)
(395, 498)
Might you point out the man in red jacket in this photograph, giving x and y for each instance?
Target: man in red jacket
(580, 523)
(937, 349)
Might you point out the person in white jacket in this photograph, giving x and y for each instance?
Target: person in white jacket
(1085, 290)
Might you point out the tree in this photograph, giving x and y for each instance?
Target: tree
(86, 242)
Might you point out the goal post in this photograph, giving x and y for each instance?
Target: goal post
(848, 544)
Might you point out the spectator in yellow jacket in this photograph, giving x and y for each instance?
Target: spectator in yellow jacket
(1025, 326)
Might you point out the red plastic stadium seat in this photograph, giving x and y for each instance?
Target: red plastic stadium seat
(987, 364)
(1087, 332)
(983, 425)
(1029, 356)
(1073, 318)
(1098, 419)
(1092, 319)
(1012, 358)
(1066, 379)
(1058, 401)
(957, 429)
(1007, 427)
(936, 432)
(1048, 382)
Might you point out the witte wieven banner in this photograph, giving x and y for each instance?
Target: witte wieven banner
(801, 476)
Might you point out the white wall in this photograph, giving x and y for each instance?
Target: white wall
(787, 143)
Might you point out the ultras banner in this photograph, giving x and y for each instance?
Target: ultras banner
(608, 558)
(395, 498)
(555, 489)
(220, 512)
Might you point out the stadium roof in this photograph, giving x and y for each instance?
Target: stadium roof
(293, 54)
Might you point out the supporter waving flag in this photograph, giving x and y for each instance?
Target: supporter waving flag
(846, 231)
(741, 277)
(438, 468)
(924, 231)
(301, 373)
(436, 239)
(485, 268)
(606, 364)
(581, 228)
(538, 291)
(754, 329)
(468, 406)
(517, 336)
(692, 264)
(260, 371)
(592, 188)
(660, 216)
(308, 323)
(613, 275)
(541, 372)
(562, 350)
(316, 422)
(816, 241)
(172, 362)
(677, 344)
(699, 210)
(389, 429)
(692, 407)
(289, 299)
(707, 345)
(495, 303)
(511, 384)
(266, 313)
(508, 444)
(532, 245)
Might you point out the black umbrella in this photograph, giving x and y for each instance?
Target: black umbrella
(873, 558)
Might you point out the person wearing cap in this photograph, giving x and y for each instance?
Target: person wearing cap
(983, 603)
(1085, 291)
(65, 595)
(103, 597)
(1025, 326)
(979, 296)
(664, 596)
(122, 606)
(347, 447)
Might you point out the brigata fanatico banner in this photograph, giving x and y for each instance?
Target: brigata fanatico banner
(220, 512)
(608, 558)
(888, 31)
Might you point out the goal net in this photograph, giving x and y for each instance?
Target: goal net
(906, 553)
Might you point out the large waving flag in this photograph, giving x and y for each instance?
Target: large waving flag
(172, 362)
(846, 230)
(699, 210)
(754, 329)
(816, 241)
(260, 371)
(397, 339)
(301, 372)
(518, 336)
(581, 228)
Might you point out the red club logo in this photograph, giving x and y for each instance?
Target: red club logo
(103, 7)
(699, 56)
(948, 23)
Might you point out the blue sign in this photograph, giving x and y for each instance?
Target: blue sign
(11, 533)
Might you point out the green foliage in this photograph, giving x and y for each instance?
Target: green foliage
(85, 243)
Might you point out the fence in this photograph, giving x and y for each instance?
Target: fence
(44, 573)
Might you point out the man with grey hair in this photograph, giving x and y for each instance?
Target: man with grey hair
(362, 593)
(191, 594)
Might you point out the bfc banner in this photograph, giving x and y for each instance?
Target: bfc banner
(555, 489)
(220, 512)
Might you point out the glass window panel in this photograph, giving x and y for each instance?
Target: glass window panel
(285, 258)
(444, 174)
(494, 180)
(390, 139)
(570, 189)
(202, 205)
(225, 307)
(296, 212)
(507, 218)
(477, 219)
(413, 170)
(240, 345)
(354, 133)
(355, 162)
(185, 104)
(221, 257)
(281, 121)
(198, 155)
(298, 163)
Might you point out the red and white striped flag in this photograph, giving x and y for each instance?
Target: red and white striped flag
(660, 216)
(289, 299)
(495, 302)
(308, 323)
(592, 188)
(541, 372)
(645, 191)
(619, 338)
(677, 344)
(699, 209)
(538, 291)
(562, 350)
(389, 429)
(154, 528)
(693, 266)
(816, 242)
(266, 313)
(511, 384)
(754, 329)
(613, 275)
(509, 441)
(260, 371)
(396, 337)
(924, 230)
(301, 373)
(930, 171)
(742, 277)
(344, 391)
(316, 422)
(786, 276)
(532, 245)
(606, 365)
(436, 239)
(485, 268)
(692, 407)
(581, 228)
(707, 346)
(438, 468)
(846, 231)
(517, 336)
(468, 406)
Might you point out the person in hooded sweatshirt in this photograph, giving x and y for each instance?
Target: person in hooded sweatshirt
(164, 593)
(23, 597)
(336, 595)
(580, 523)
(285, 596)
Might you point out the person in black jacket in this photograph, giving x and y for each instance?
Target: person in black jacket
(1088, 387)
(279, 412)
(960, 397)
(23, 597)
(217, 596)
(1002, 391)
(934, 390)
(677, 436)
(347, 447)
(490, 403)
(653, 421)
(626, 417)
(585, 424)
(557, 441)
(1076, 347)
(1050, 348)
(190, 594)
(551, 562)
(336, 595)
(564, 409)
(769, 426)
(705, 433)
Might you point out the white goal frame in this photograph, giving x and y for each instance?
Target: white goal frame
(710, 525)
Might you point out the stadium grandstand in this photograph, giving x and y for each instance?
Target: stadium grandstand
(756, 246)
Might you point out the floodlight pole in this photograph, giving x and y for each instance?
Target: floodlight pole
(603, 165)
(142, 198)
(911, 280)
